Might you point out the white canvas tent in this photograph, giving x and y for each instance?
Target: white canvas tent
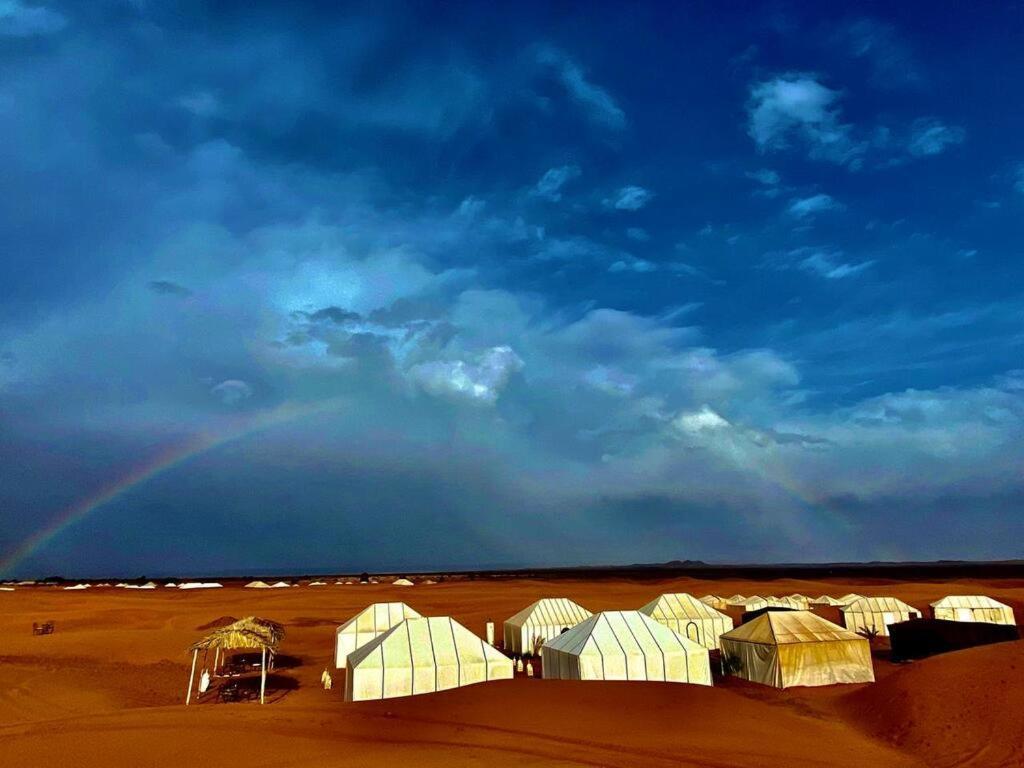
(422, 655)
(402, 583)
(785, 602)
(368, 624)
(715, 601)
(753, 603)
(625, 645)
(685, 614)
(257, 585)
(735, 599)
(827, 600)
(877, 613)
(850, 598)
(972, 608)
(788, 648)
(543, 619)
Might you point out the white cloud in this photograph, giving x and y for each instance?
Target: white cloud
(595, 100)
(803, 207)
(481, 380)
(1018, 183)
(551, 183)
(20, 20)
(232, 391)
(930, 136)
(765, 176)
(633, 265)
(200, 103)
(704, 420)
(796, 108)
(630, 198)
(639, 234)
(825, 265)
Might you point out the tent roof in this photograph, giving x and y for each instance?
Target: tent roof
(850, 598)
(380, 616)
(250, 632)
(679, 605)
(623, 629)
(783, 627)
(402, 583)
(735, 598)
(967, 601)
(550, 611)
(879, 605)
(258, 585)
(424, 642)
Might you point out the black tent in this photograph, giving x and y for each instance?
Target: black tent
(918, 638)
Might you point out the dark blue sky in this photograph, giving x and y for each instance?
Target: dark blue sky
(411, 286)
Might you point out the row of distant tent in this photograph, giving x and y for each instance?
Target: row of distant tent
(391, 650)
(149, 585)
(280, 584)
(9, 587)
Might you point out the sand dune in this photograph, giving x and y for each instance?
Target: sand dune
(107, 690)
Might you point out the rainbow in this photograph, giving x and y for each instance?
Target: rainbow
(164, 461)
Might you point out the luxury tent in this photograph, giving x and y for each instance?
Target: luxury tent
(257, 585)
(200, 585)
(976, 608)
(850, 598)
(318, 583)
(78, 586)
(625, 645)
(735, 600)
(877, 613)
(368, 624)
(688, 616)
(827, 600)
(715, 601)
(280, 585)
(801, 599)
(789, 648)
(250, 633)
(541, 621)
(402, 583)
(786, 602)
(422, 655)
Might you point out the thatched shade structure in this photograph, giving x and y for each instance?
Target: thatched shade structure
(250, 633)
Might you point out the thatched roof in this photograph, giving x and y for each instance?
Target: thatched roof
(250, 632)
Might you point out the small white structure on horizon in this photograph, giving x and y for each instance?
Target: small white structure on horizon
(827, 600)
(200, 585)
(422, 655)
(972, 608)
(370, 623)
(280, 585)
(78, 587)
(402, 583)
(257, 585)
(625, 645)
(318, 583)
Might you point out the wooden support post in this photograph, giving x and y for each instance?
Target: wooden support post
(216, 659)
(191, 677)
(263, 676)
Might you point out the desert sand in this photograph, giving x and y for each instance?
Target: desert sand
(107, 689)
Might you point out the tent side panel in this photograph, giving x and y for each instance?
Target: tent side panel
(826, 663)
(759, 662)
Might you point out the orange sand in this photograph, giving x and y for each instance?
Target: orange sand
(107, 689)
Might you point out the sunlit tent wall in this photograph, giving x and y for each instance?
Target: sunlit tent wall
(786, 602)
(369, 623)
(791, 648)
(976, 608)
(690, 617)
(544, 619)
(422, 655)
(877, 613)
(625, 645)
(850, 598)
